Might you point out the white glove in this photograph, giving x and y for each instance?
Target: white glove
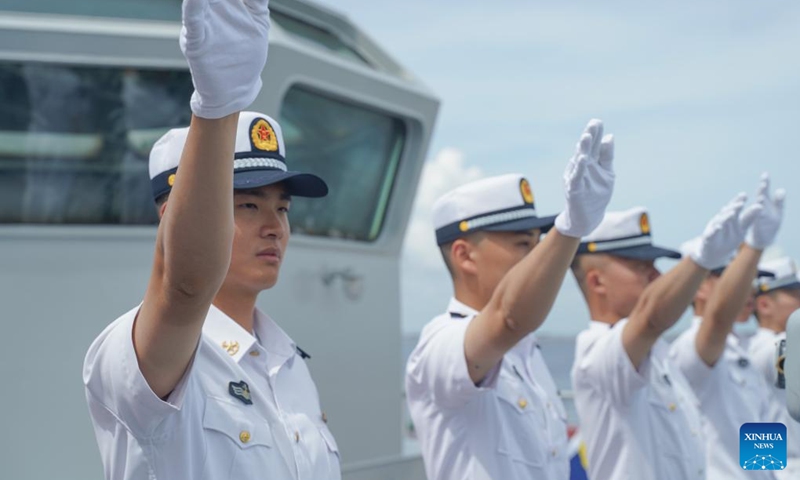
(225, 43)
(723, 234)
(765, 227)
(588, 182)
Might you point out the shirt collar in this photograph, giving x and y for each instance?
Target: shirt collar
(272, 337)
(228, 335)
(236, 341)
(457, 307)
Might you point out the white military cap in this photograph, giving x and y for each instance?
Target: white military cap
(625, 234)
(259, 159)
(497, 204)
(784, 275)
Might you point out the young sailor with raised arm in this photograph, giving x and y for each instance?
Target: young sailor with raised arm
(718, 369)
(196, 382)
(639, 418)
(777, 297)
(480, 395)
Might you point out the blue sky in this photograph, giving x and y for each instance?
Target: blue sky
(701, 97)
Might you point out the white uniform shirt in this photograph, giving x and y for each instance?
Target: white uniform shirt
(762, 350)
(731, 394)
(637, 424)
(512, 426)
(209, 427)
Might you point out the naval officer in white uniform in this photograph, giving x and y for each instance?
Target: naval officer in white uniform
(719, 370)
(480, 395)
(638, 415)
(195, 382)
(777, 297)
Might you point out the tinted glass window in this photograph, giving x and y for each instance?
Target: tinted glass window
(74, 141)
(355, 149)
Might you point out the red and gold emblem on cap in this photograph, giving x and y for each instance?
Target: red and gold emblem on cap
(525, 189)
(171, 180)
(263, 136)
(644, 224)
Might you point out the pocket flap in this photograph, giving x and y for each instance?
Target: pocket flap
(244, 428)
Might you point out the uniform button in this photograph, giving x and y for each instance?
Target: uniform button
(254, 353)
(554, 452)
(324, 417)
(244, 436)
(522, 403)
(672, 407)
(297, 437)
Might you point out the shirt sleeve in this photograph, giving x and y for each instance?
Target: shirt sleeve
(683, 353)
(113, 380)
(603, 364)
(438, 368)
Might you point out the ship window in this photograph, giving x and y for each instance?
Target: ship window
(317, 36)
(74, 141)
(356, 150)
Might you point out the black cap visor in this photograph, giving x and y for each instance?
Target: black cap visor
(523, 224)
(297, 184)
(643, 252)
(759, 273)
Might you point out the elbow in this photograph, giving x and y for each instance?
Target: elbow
(517, 326)
(197, 287)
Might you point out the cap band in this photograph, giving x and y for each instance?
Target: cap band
(458, 229)
(260, 163)
(607, 245)
(770, 285)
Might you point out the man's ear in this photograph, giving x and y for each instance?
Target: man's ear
(595, 282)
(162, 209)
(461, 256)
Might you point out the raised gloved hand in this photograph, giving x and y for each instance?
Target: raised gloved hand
(723, 234)
(765, 227)
(225, 43)
(588, 182)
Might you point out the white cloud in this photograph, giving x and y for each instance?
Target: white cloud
(445, 172)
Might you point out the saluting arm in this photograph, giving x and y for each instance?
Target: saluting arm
(661, 305)
(194, 240)
(524, 297)
(725, 303)
(735, 285)
(664, 301)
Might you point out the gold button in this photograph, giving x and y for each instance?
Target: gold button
(324, 417)
(297, 437)
(254, 353)
(522, 403)
(672, 407)
(231, 347)
(244, 436)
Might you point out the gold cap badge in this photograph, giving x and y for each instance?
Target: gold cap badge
(644, 223)
(525, 189)
(263, 136)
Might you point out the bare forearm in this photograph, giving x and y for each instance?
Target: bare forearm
(660, 306)
(519, 304)
(725, 303)
(526, 294)
(198, 222)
